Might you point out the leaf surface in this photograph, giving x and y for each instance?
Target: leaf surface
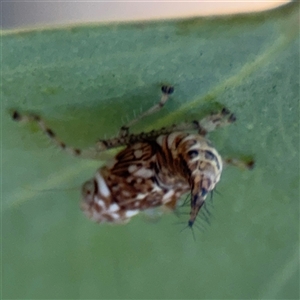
(86, 81)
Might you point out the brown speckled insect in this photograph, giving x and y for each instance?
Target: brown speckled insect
(155, 169)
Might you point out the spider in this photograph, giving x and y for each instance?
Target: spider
(154, 169)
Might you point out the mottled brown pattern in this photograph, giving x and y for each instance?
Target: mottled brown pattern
(161, 175)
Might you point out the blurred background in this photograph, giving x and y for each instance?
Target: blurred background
(36, 13)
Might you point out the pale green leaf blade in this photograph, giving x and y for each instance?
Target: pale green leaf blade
(86, 81)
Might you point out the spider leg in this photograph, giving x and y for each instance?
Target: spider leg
(91, 153)
(203, 127)
(240, 163)
(166, 92)
(214, 121)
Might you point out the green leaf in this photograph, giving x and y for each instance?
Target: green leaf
(86, 81)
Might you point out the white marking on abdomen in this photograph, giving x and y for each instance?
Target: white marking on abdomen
(171, 138)
(114, 215)
(156, 189)
(160, 139)
(100, 202)
(102, 185)
(138, 153)
(145, 173)
(132, 168)
(167, 196)
(131, 213)
(113, 207)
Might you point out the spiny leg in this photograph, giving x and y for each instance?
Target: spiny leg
(92, 153)
(203, 126)
(214, 121)
(247, 163)
(166, 91)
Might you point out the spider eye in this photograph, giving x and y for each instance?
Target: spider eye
(193, 153)
(204, 192)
